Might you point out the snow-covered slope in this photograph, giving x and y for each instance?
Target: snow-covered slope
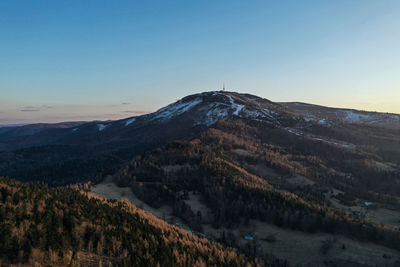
(339, 115)
(210, 107)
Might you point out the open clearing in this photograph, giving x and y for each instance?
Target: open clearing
(302, 248)
(110, 190)
(378, 214)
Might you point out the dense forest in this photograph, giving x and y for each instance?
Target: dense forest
(358, 172)
(64, 226)
(234, 195)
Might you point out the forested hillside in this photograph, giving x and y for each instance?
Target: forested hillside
(211, 191)
(65, 226)
(235, 196)
(369, 169)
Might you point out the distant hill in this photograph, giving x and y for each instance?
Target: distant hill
(14, 136)
(341, 115)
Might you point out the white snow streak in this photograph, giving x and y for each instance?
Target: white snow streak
(130, 121)
(292, 131)
(101, 126)
(237, 108)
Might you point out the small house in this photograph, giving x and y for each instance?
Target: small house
(249, 237)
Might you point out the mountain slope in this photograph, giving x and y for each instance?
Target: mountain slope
(321, 113)
(65, 227)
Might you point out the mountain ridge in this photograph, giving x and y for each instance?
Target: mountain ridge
(210, 107)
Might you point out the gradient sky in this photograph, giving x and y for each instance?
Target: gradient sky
(83, 60)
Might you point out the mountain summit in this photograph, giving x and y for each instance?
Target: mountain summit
(209, 107)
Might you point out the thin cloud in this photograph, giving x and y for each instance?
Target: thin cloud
(125, 103)
(29, 109)
(139, 112)
(34, 108)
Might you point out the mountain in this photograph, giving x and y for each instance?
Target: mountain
(59, 154)
(101, 147)
(281, 182)
(194, 112)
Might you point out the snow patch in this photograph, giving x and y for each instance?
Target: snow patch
(130, 121)
(237, 107)
(324, 122)
(214, 114)
(75, 129)
(270, 113)
(254, 113)
(354, 117)
(261, 115)
(101, 126)
(176, 109)
(292, 131)
(394, 116)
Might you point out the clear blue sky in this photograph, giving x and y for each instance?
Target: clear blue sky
(69, 60)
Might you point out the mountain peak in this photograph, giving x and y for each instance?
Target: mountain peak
(209, 107)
